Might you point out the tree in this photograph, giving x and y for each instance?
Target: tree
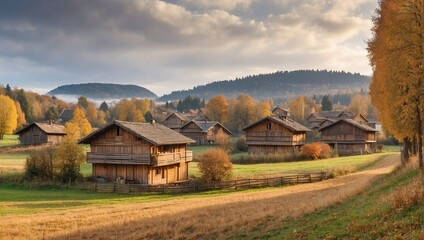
(215, 165)
(26, 105)
(21, 116)
(396, 56)
(326, 103)
(69, 158)
(83, 102)
(8, 91)
(217, 109)
(104, 107)
(263, 108)
(78, 127)
(360, 104)
(8, 116)
(297, 108)
(243, 113)
(224, 141)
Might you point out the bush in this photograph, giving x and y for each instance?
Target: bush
(39, 165)
(224, 141)
(241, 144)
(215, 165)
(316, 150)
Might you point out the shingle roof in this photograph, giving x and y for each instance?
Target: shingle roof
(49, 128)
(278, 107)
(155, 133)
(352, 122)
(288, 123)
(183, 117)
(206, 125)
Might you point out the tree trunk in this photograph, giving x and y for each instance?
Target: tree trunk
(406, 150)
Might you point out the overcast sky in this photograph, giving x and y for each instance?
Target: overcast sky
(177, 44)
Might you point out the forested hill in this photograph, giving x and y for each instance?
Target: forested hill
(103, 91)
(279, 85)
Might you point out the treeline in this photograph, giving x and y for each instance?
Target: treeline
(278, 85)
(104, 91)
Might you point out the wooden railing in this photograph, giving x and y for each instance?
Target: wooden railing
(162, 159)
(120, 158)
(199, 186)
(352, 138)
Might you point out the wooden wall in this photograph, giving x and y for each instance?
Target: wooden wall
(174, 122)
(35, 136)
(193, 131)
(343, 131)
(277, 134)
(262, 149)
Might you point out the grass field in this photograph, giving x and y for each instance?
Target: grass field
(9, 140)
(375, 214)
(253, 214)
(275, 169)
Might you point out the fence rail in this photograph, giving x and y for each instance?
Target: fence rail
(189, 187)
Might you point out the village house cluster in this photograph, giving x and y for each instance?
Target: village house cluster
(152, 153)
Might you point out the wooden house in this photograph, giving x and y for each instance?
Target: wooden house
(66, 115)
(176, 120)
(144, 153)
(281, 112)
(39, 133)
(274, 135)
(349, 136)
(203, 132)
(317, 119)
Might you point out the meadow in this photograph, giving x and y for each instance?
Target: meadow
(291, 212)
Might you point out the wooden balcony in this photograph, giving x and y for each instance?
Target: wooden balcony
(114, 158)
(161, 159)
(273, 140)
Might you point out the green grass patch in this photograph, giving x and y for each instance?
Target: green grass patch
(9, 140)
(366, 216)
(274, 169)
(198, 150)
(391, 148)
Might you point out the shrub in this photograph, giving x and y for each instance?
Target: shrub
(69, 156)
(267, 158)
(241, 144)
(39, 165)
(224, 141)
(215, 165)
(316, 150)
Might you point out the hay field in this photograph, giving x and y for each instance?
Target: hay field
(216, 216)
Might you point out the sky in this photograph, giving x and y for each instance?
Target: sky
(177, 44)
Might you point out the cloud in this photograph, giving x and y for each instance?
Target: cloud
(176, 44)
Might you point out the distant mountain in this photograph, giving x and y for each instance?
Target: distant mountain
(103, 91)
(281, 85)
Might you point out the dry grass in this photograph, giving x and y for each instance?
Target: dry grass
(207, 218)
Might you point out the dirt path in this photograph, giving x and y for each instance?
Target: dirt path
(214, 217)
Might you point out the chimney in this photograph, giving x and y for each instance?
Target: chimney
(50, 121)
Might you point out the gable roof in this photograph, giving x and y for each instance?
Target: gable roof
(67, 114)
(357, 124)
(288, 123)
(278, 107)
(153, 133)
(48, 128)
(182, 116)
(206, 125)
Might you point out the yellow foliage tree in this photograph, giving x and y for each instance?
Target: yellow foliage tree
(396, 56)
(78, 127)
(263, 108)
(8, 116)
(21, 115)
(217, 109)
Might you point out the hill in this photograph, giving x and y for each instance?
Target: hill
(279, 85)
(103, 91)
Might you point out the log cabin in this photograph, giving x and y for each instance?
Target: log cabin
(275, 135)
(176, 120)
(203, 132)
(39, 133)
(349, 136)
(143, 153)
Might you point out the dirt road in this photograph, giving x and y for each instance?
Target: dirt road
(206, 218)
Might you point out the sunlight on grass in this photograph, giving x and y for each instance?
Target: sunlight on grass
(9, 140)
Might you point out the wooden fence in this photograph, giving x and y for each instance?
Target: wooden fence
(190, 187)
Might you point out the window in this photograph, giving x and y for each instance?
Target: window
(158, 171)
(268, 126)
(118, 131)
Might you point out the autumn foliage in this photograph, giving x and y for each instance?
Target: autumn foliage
(316, 150)
(8, 116)
(215, 165)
